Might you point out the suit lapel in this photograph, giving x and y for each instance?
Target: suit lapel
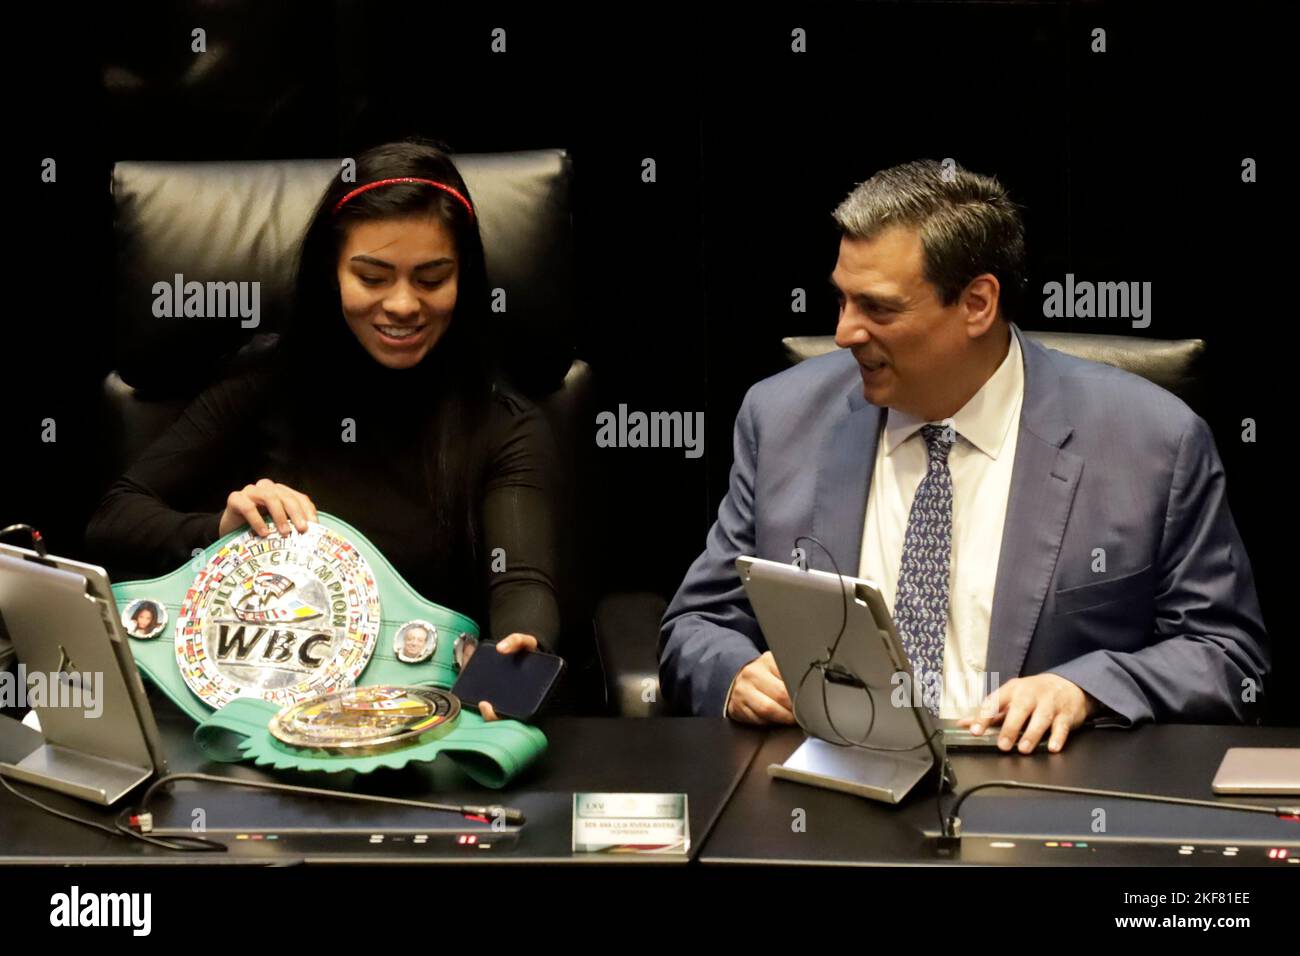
(1043, 483)
(840, 507)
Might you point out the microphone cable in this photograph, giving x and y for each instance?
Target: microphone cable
(950, 834)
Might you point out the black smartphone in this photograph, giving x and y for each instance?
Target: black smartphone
(516, 685)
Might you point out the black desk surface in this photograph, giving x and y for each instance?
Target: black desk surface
(701, 757)
(738, 814)
(841, 829)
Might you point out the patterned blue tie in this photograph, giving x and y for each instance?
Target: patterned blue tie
(921, 604)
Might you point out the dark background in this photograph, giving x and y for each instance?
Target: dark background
(1127, 164)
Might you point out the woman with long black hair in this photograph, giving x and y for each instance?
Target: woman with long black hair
(379, 404)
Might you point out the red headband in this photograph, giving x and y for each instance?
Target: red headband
(404, 179)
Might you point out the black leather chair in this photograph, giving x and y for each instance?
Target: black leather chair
(243, 221)
(1176, 365)
(627, 640)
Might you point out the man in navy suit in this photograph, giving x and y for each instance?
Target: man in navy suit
(1051, 530)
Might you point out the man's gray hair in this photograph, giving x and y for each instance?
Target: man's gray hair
(968, 225)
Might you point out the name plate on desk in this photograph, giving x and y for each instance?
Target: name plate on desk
(630, 823)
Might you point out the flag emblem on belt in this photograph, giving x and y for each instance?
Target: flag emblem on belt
(284, 618)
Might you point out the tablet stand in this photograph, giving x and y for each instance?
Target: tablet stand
(74, 772)
(98, 758)
(887, 777)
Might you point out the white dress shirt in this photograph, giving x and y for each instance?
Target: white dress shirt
(981, 462)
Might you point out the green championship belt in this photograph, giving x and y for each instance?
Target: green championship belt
(252, 625)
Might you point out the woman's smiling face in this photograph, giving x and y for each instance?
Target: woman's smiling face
(397, 286)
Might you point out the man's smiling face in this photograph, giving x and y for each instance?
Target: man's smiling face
(908, 344)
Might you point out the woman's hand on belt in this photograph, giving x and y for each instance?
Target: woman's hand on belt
(281, 502)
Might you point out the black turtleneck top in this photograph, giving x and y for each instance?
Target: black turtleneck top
(170, 501)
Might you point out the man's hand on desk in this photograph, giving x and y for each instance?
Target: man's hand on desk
(758, 695)
(1028, 707)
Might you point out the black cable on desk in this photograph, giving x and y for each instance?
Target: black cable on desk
(952, 825)
(509, 814)
(120, 828)
(136, 824)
